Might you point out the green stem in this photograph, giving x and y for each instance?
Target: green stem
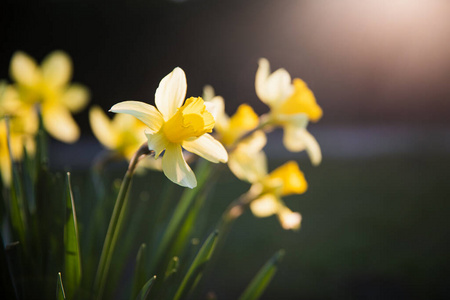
(116, 222)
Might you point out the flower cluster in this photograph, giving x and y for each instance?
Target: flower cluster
(44, 90)
(176, 124)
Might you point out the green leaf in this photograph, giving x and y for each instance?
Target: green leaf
(195, 271)
(259, 283)
(6, 280)
(72, 259)
(178, 221)
(139, 271)
(60, 294)
(146, 289)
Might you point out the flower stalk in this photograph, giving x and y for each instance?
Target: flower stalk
(116, 222)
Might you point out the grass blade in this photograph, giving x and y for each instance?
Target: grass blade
(72, 259)
(139, 271)
(60, 294)
(195, 271)
(146, 289)
(259, 283)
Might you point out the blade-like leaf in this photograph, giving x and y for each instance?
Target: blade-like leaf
(72, 259)
(259, 283)
(139, 271)
(195, 271)
(6, 276)
(60, 294)
(143, 294)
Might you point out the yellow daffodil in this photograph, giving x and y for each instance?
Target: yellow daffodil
(123, 134)
(49, 86)
(21, 129)
(173, 125)
(230, 129)
(248, 162)
(292, 105)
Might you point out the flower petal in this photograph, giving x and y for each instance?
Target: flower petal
(24, 69)
(297, 139)
(156, 142)
(75, 98)
(59, 123)
(207, 147)
(272, 88)
(265, 206)
(176, 168)
(171, 93)
(102, 128)
(289, 219)
(57, 69)
(147, 113)
(247, 167)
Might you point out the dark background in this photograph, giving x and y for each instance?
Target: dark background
(375, 219)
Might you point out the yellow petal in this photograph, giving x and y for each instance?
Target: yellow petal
(244, 120)
(156, 142)
(24, 70)
(147, 113)
(299, 139)
(265, 206)
(176, 168)
(293, 180)
(171, 93)
(207, 147)
(75, 98)
(102, 128)
(59, 123)
(57, 69)
(302, 100)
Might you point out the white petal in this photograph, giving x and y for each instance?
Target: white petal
(208, 92)
(171, 93)
(297, 139)
(289, 219)
(207, 147)
(156, 142)
(265, 206)
(57, 69)
(249, 167)
(147, 113)
(299, 120)
(272, 88)
(24, 69)
(176, 168)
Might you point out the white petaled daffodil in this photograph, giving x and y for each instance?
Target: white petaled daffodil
(49, 86)
(173, 125)
(248, 162)
(292, 105)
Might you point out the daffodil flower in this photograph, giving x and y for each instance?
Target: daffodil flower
(21, 129)
(49, 86)
(173, 125)
(231, 129)
(248, 162)
(292, 106)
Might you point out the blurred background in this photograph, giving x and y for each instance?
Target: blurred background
(376, 217)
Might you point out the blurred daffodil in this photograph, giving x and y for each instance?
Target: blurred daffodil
(48, 85)
(18, 125)
(231, 129)
(248, 162)
(292, 105)
(123, 134)
(172, 125)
